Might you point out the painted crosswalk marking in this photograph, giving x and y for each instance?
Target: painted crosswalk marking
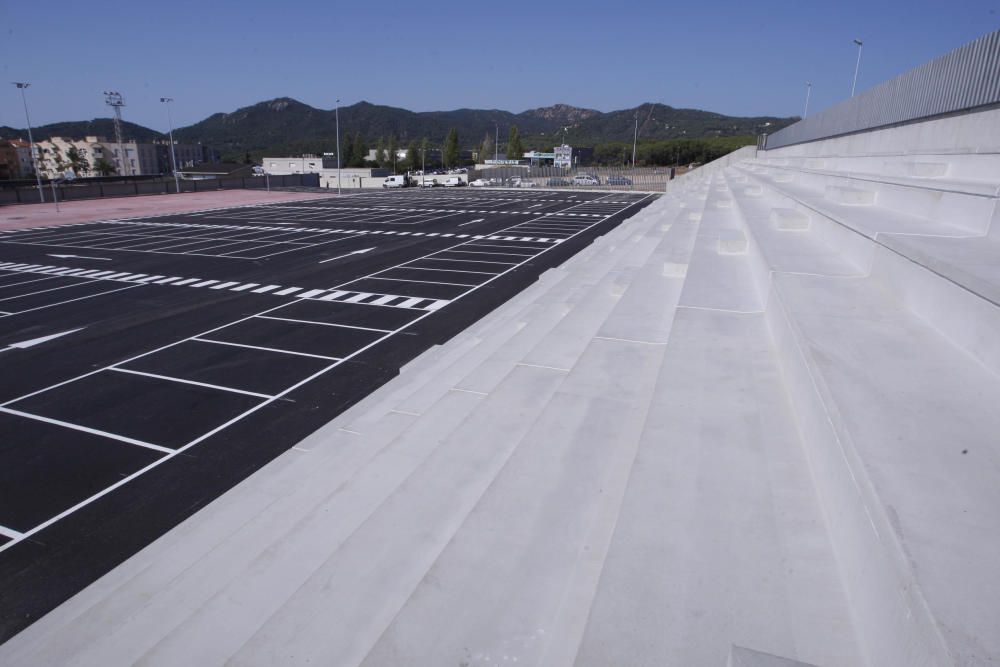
(369, 298)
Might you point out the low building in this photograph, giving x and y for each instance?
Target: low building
(567, 156)
(353, 178)
(208, 170)
(306, 163)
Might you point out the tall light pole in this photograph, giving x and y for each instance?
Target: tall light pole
(635, 137)
(338, 144)
(173, 155)
(496, 144)
(808, 91)
(21, 85)
(856, 67)
(114, 100)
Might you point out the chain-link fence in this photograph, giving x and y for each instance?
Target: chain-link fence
(131, 188)
(641, 179)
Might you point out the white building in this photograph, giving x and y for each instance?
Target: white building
(326, 167)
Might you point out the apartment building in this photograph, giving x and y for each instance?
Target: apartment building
(132, 158)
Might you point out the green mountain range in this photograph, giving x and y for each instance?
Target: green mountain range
(287, 126)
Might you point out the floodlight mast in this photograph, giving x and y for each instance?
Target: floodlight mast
(808, 91)
(338, 145)
(173, 155)
(22, 85)
(114, 100)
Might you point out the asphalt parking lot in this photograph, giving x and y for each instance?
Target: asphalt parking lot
(152, 363)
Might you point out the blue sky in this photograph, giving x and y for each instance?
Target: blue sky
(740, 58)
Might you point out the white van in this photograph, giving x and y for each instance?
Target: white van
(395, 182)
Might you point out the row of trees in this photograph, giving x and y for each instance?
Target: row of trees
(356, 153)
(669, 152)
(514, 150)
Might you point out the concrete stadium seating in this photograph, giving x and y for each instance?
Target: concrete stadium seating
(753, 425)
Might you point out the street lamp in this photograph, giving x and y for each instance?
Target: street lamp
(635, 137)
(338, 145)
(856, 67)
(808, 91)
(173, 154)
(21, 85)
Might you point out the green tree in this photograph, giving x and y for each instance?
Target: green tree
(77, 160)
(104, 168)
(380, 154)
(515, 150)
(486, 149)
(413, 155)
(360, 151)
(348, 154)
(392, 152)
(450, 154)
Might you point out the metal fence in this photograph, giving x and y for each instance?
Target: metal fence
(73, 191)
(641, 179)
(963, 79)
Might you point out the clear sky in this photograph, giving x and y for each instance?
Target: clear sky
(731, 56)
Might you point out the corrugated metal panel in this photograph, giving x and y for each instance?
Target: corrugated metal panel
(965, 78)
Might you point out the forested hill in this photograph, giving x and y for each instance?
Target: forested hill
(287, 126)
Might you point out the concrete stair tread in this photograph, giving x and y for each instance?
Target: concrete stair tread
(973, 263)
(867, 220)
(800, 251)
(374, 572)
(961, 186)
(919, 414)
(720, 538)
(552, 505)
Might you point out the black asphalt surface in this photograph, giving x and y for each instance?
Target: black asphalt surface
(199, 346)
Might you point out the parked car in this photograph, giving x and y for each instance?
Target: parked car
(454, 182)
(429, 183)
(619, 180)
(396, 182)
(586, 179)
(479, 183)
(557, 182)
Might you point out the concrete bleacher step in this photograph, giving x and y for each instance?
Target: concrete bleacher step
(885, 205)
(972, 174)
(372, 574)
(970, 262)
(720, 538)
(901, 424)
(553, 505)
(785, 239)
(789, 219)
(719, 275)
(850, 196)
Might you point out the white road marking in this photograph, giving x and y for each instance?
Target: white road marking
(87, 429)
(261, 347)
(171, 378)
(471, 222)
(103, 259)
(356, 252)
(24, 344)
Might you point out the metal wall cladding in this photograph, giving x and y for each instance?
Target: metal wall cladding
(965, 78)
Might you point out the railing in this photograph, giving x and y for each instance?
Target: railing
(963, 79)
(69, 192)
(640, 179)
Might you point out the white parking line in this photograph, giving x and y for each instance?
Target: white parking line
(260, 347)
(87, 429)
(171, 378)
